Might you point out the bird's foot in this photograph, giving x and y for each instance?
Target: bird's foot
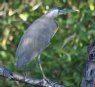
(48, 82)
(24, 78)
(46, 79)
(25, 75)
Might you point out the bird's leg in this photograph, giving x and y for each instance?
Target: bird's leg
(25, 75)
(45, 80)
(39, 62)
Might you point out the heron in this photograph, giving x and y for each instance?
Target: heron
(37, 37)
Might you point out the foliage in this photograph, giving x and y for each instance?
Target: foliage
(64, 60)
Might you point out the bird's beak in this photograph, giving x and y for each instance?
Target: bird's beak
(66, 11)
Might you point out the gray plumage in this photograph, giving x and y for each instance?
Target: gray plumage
(37, 37)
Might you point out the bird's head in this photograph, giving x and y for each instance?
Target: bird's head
(55, 12)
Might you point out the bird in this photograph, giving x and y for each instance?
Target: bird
(37, 37)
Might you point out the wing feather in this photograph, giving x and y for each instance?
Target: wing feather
(35, 39)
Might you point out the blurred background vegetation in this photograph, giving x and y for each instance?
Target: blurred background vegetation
(64, 60)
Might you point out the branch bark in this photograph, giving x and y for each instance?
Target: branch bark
(88, 79)
(42, 82)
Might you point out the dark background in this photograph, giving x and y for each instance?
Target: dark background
(64, 60)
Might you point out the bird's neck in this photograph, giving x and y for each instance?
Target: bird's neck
(49, 16)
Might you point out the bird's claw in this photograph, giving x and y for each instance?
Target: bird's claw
(48, 82)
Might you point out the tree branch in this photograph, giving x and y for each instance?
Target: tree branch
(12, 76)
(89, 73)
